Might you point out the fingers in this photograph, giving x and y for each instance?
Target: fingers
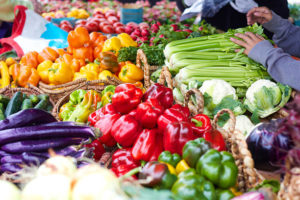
(260, 15)
(239, 42)
(260, 37)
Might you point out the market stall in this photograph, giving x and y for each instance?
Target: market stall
(153, 108)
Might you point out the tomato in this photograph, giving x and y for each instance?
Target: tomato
(110, 13)
(105, 23)
(65, 22)
(80, 25)
(92, 26)
(81, 22)
(98, 14)
(112, 19)
(66, 27)
(97, 20)
(132, 24)
(119, 29)
(116, 24)
(107, 29)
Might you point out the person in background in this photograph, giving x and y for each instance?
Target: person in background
(7, 13)
(232, 14)
(278, 61)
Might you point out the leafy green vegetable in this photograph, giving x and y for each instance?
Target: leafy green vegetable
(155, 75)
(229, 103)
(127, 54)
(273, 184)
(142, 193)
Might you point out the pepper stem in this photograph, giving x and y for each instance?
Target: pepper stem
(197, 123)
(130, 173)
(119, 146)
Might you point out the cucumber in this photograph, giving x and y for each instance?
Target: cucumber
(43, 96)
(34, 99)
(49, 107)
(2, 116)
(4, 100)
(27, 103)
(14, 105)
(25, 96)
(42, 105)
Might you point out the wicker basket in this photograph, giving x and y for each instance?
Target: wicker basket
(290, 186)
(59, 91)
(9, 91)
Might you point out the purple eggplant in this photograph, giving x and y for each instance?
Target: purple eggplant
(33, 158)
(44, 131)
(66, 123)
(3, 153)
(10, 167)
(11, 159)
(40, 145)
(26, 117)
(268, 146)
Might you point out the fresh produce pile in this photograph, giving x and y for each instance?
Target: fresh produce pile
(27, 135)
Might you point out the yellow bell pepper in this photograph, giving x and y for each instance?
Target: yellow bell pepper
(130, 73)
(10, 61)
(104, 74)
(5, 80)
(90, 72)
(235, 192)
(181, 166)
(171, 168)
(55, 73)
(126, 40)
(112, 44)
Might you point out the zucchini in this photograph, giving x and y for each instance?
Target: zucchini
(34, 99)
(2, 116)
(14, 105)
(42, 105)
(43, 96)
(4, 100)
(27, 103)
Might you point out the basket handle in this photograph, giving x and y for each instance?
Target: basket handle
(141, 57)
(165, 76)
(199, 107)
(232, 120)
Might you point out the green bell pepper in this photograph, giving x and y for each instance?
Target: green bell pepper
(167, 157)
(66, 111)
(161, 178)
(194, 149)
(224, 194)
(107, 93)
(219, 168)
(109, 88)
(77, 96)
(86, 107)
(192, 186)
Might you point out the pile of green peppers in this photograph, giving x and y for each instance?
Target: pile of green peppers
(208, 175)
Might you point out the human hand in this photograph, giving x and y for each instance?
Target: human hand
(260, 15)
(249, 40)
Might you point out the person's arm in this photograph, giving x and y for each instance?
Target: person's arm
(280, 65)
(286, 35)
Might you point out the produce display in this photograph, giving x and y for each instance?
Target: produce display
(159, 109)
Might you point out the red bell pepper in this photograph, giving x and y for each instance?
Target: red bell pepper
(146, 145)
(200, 124)
(98, 149)
(125, 130)
(159, 147)
(163, 94)
(95, 116)
(176, 135)
(148, 112)
(216, 139)
(123, 162)
(126, 98)
(105, 124)
(176, 113)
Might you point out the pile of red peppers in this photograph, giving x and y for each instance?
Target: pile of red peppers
(145, 125)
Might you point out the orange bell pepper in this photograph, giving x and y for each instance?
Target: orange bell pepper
(76, 64)
(67, 58)
(28, 75)
(30, 59)
(61, 52)
(69, 50)
(79, 37)
(97, 51)
(109, 61)
(97, 39)
(48, 54)
(14, 71)
(84, 53)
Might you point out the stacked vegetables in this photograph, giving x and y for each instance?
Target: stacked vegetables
(203, 173)
(214, 57)
(147, 124)
(20, 101)
(27, 135)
